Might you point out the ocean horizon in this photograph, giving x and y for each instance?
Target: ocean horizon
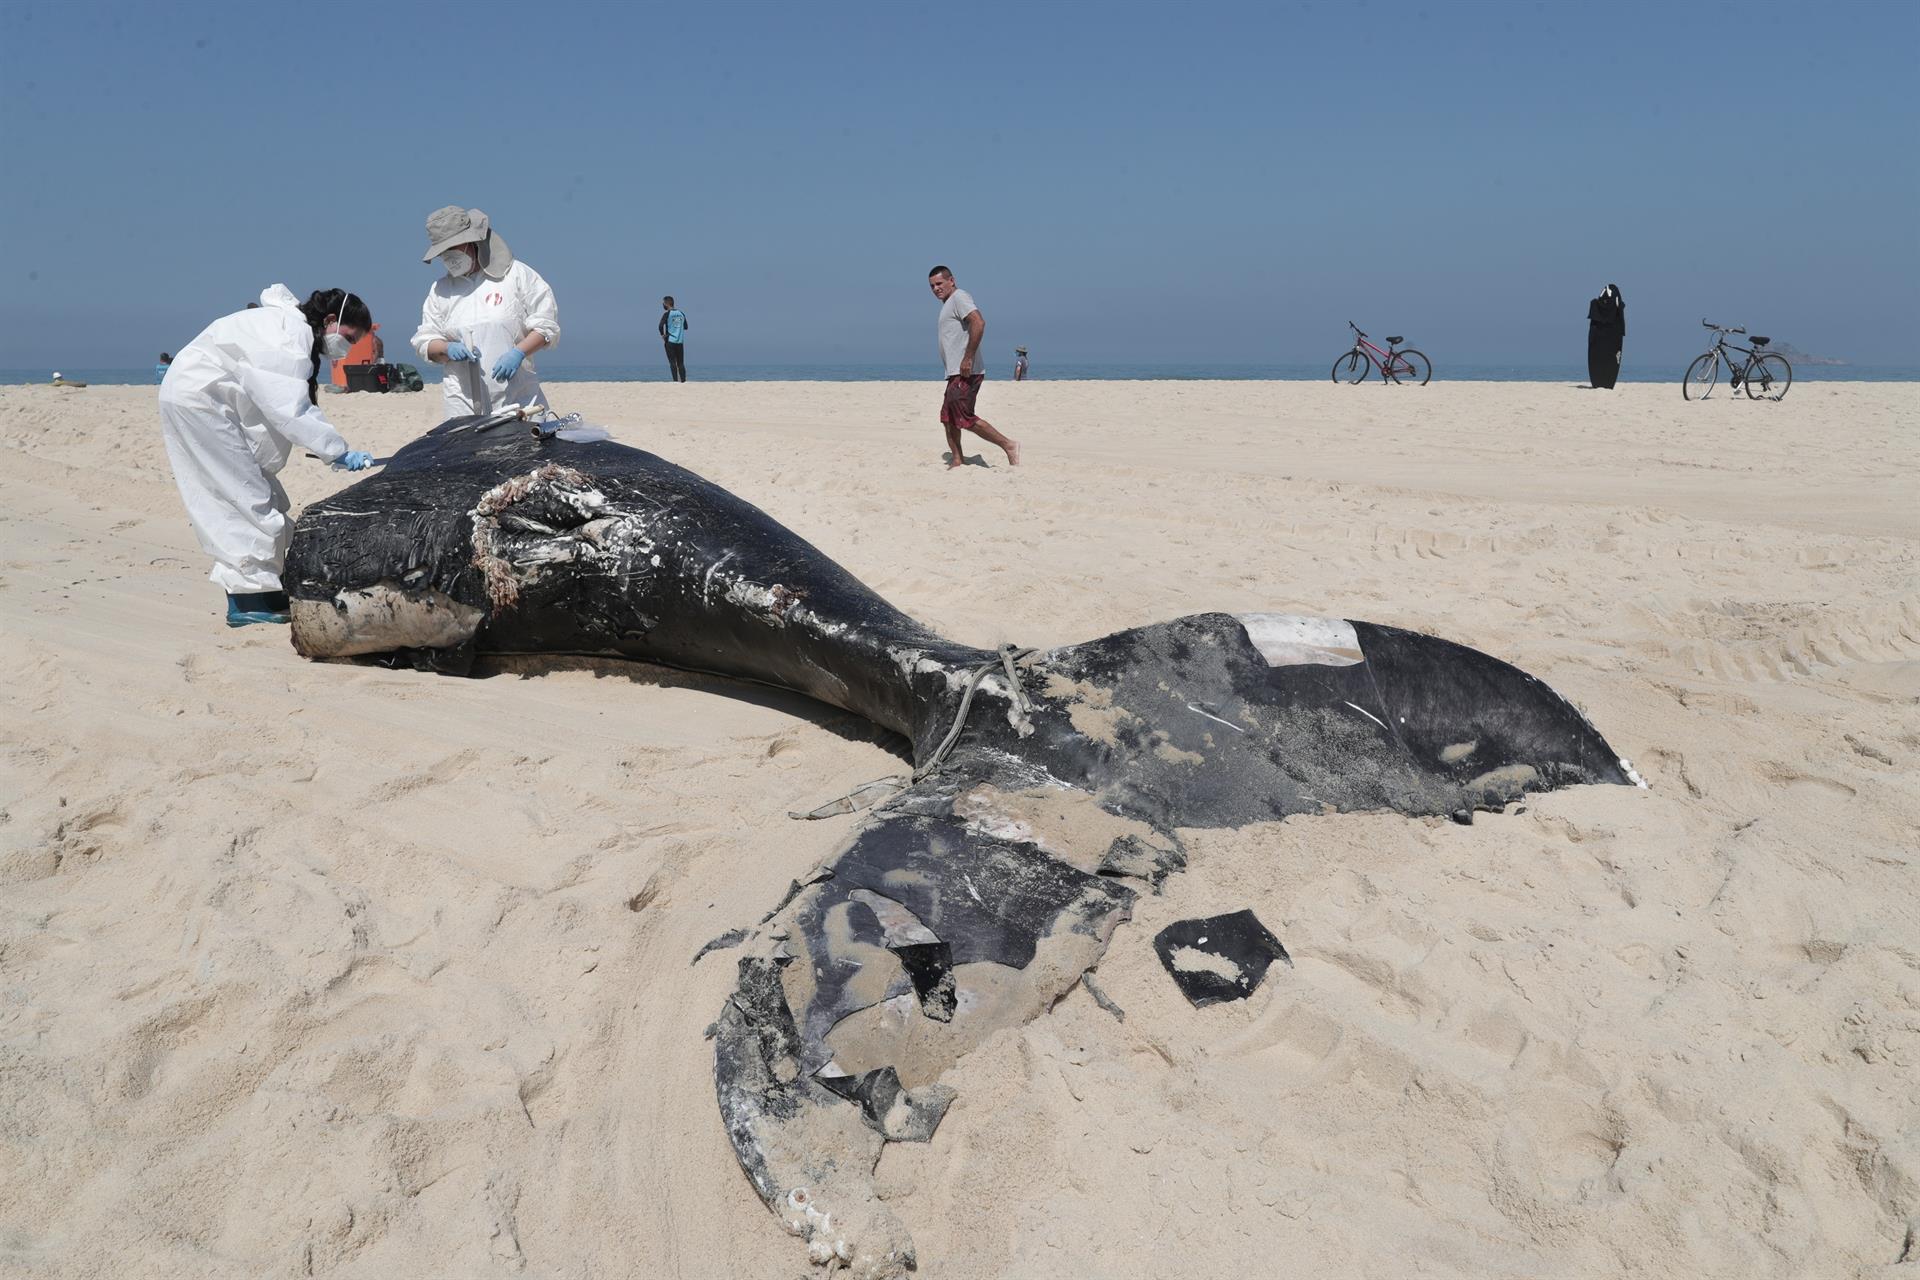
(1063, 372)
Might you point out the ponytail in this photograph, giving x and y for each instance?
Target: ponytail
(351, 309)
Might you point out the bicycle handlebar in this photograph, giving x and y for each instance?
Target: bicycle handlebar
(1356, 328)
(1721, 327)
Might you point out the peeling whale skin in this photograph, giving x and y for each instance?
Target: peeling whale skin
(977, 896)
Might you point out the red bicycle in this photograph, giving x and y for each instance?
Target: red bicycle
(1407, 366)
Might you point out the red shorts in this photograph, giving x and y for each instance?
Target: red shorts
(956, 407)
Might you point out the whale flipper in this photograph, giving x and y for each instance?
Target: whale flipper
(927, 933)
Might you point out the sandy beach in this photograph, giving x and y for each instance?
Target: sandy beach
(332, 970)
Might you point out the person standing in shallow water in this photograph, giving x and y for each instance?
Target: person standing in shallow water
(673, 332)
(959, 329)
(1606, 335)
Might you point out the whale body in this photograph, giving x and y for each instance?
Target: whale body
(1047, 791)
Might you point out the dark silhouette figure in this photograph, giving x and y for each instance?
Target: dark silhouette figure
(1606, 334)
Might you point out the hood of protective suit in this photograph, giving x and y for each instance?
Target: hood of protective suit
(278, 295)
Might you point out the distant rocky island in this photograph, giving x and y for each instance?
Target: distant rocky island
(1796, 356)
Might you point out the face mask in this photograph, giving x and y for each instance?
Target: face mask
(337, 345)
(458, 263)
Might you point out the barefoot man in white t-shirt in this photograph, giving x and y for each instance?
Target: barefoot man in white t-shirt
(960, 328)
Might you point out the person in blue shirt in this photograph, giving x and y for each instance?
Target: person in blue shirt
(673, 332)
(160, 370)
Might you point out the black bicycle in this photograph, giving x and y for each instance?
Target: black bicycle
(1765, 374)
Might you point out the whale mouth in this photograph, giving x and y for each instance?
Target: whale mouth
(381, 618)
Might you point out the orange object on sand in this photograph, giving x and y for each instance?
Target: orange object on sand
(365, 351)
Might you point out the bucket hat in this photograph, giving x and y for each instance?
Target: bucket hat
(454, 225)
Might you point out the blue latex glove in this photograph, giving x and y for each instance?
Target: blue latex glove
(460, 351)
(355, 460)
(508, 365)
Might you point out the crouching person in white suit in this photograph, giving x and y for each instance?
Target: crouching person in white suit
(233, 405)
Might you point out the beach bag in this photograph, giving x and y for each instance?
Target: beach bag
(383, 377)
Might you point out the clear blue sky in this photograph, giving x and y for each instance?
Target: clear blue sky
(1154, 183)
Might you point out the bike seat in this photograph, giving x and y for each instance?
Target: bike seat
(1393, 341)
(1758, 342)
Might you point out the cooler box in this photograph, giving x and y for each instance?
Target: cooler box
(368, 377)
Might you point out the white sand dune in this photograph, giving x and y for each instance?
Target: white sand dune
(315, 969)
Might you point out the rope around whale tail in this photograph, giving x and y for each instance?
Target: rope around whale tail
(880, 790)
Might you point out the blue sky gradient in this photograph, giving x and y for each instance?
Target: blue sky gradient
(1114, 183)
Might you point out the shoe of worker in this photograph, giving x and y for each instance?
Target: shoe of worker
(248, 608)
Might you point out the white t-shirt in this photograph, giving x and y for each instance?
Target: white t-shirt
(952, 327)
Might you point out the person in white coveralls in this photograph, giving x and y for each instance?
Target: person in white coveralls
(233, 404)
(484, 319)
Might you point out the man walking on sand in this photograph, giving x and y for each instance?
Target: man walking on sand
(960, 328)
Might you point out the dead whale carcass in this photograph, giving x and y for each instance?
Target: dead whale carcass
(1047, 789)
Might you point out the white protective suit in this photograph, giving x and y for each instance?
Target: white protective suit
(233, 405)
(489, 316)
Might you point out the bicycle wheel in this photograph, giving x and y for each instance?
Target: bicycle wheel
(1769, 377)
(1701, 375)
(1351, 367)
(1410, 367)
